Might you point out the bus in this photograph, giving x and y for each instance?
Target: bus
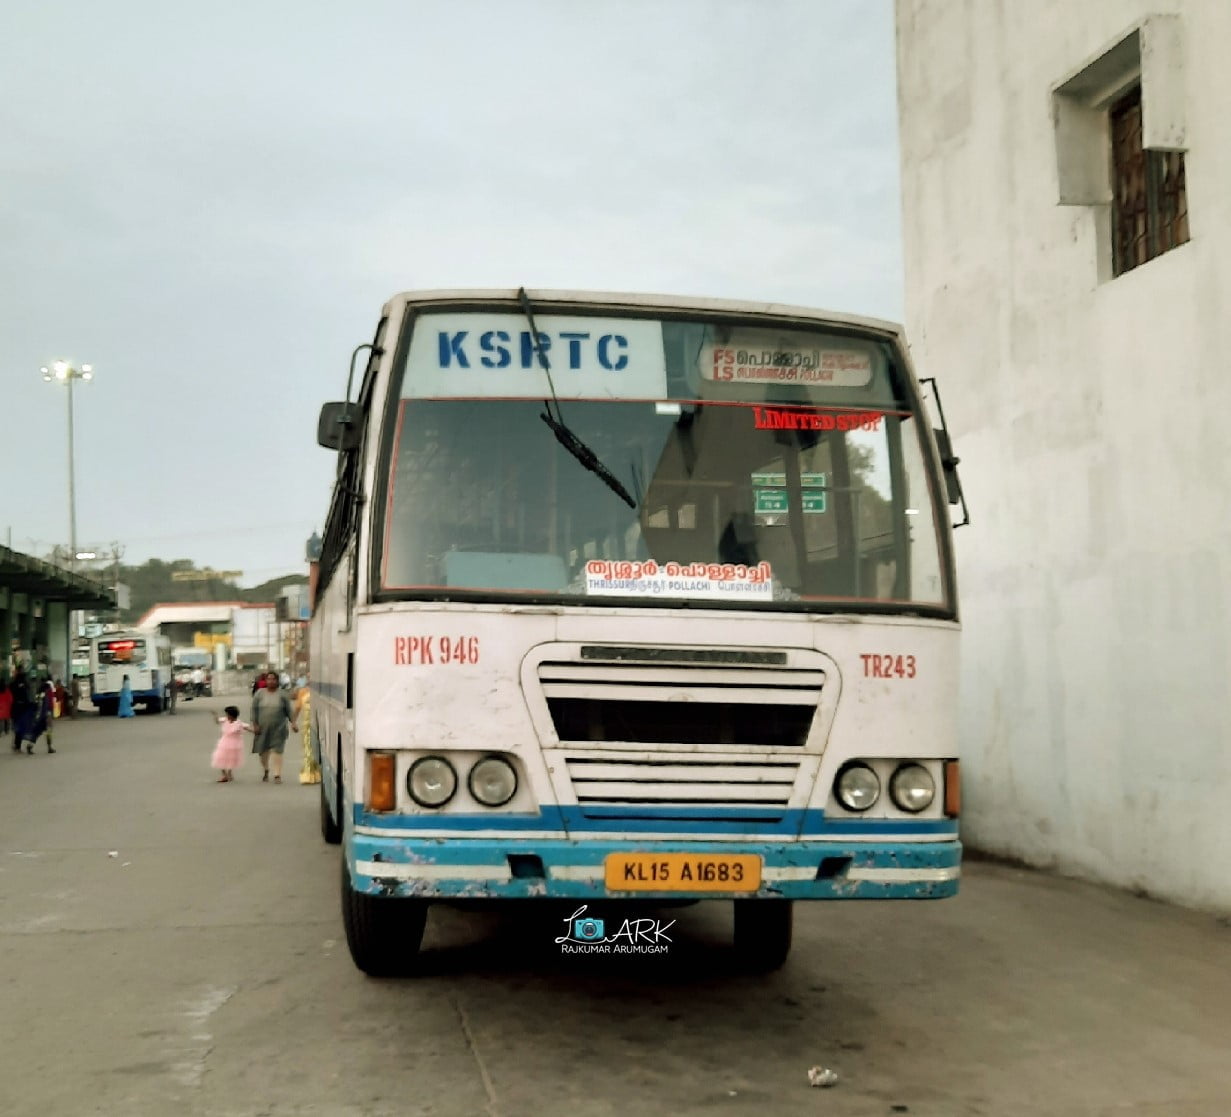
(145, 657)
(633, 600)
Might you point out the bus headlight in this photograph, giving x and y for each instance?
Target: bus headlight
(431, 781)
(493, 781)
(857, 787)
(912, 788)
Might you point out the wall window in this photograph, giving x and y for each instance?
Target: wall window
(1120, 122)
(1149, 209)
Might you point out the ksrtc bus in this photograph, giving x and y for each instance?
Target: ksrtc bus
(629, 598)
(145, 657)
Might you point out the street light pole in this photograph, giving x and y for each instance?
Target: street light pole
(64, 373)
(72, 482)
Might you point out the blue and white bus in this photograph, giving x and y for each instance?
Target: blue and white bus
(627, 597)
(145, 657)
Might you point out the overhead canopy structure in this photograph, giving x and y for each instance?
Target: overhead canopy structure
(25, 574)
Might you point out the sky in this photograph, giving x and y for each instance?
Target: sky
(210, 203)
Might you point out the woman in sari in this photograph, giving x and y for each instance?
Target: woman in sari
(310, 771)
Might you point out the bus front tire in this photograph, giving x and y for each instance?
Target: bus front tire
(763, 930)
(383, 933)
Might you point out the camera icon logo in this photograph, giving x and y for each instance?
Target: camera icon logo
(589, 930)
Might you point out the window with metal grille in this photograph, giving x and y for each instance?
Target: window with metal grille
(1149, 209)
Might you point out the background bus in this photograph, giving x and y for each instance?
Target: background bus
(145, 657)
(632, 598)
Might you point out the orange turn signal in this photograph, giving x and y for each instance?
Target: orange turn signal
(953, 788)
(382, 788)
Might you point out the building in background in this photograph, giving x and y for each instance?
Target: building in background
(1067, 230)
(237, 634)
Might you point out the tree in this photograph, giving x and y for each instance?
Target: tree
(153, 582)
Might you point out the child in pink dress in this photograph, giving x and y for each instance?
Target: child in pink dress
(229, 751)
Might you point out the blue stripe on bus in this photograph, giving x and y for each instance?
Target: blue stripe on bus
(335, 692)
(907, 871)
(564, 851)
(661, 820)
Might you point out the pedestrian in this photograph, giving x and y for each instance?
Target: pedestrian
(61, 699)
(259, 682)
(271, 714)
(44, 718)
(6, 708)
(310, 772)
(198, 681)
(126, 699)
(25, 710)
(229, 751)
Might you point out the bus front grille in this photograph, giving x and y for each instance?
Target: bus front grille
(680, 787)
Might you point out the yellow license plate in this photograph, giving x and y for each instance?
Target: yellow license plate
(682, 872)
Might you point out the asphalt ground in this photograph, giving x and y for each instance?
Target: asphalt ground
(169, 945)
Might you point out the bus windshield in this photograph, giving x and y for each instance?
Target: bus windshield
(767, 466)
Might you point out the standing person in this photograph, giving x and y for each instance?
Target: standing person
(271, 714)
(310, 772)
(24, 710)
(126, 699)
(6, 708)
(229, 752)
(44, 717)
(198, 682)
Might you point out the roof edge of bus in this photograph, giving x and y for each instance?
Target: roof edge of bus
(619, 299)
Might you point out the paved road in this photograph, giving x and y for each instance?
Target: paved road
(202, 970)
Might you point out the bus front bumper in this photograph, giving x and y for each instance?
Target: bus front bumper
(476, 868)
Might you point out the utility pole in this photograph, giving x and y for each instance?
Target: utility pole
(116, 553)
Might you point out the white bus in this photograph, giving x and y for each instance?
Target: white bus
(145, 657)
(629, 598)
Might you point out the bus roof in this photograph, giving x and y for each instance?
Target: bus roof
(617, 300)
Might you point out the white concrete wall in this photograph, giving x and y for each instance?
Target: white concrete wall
(1093, 420)
(253, 630)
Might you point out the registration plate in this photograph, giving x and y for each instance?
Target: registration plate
(682, 872)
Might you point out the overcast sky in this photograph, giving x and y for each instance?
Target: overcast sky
(210, 203)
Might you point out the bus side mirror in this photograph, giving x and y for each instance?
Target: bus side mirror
(948, 462)
(338, 427)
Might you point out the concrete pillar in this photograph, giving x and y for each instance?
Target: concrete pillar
(59, 642)
(41, 631)
(25, 623)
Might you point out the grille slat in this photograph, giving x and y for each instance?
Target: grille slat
(640, 692)
(683, 793)
(760, 679)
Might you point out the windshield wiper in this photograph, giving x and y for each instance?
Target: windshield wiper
(559, 428)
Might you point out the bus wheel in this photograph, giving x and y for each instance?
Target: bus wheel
(331, 831)
(763, 934)
(383, 933)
